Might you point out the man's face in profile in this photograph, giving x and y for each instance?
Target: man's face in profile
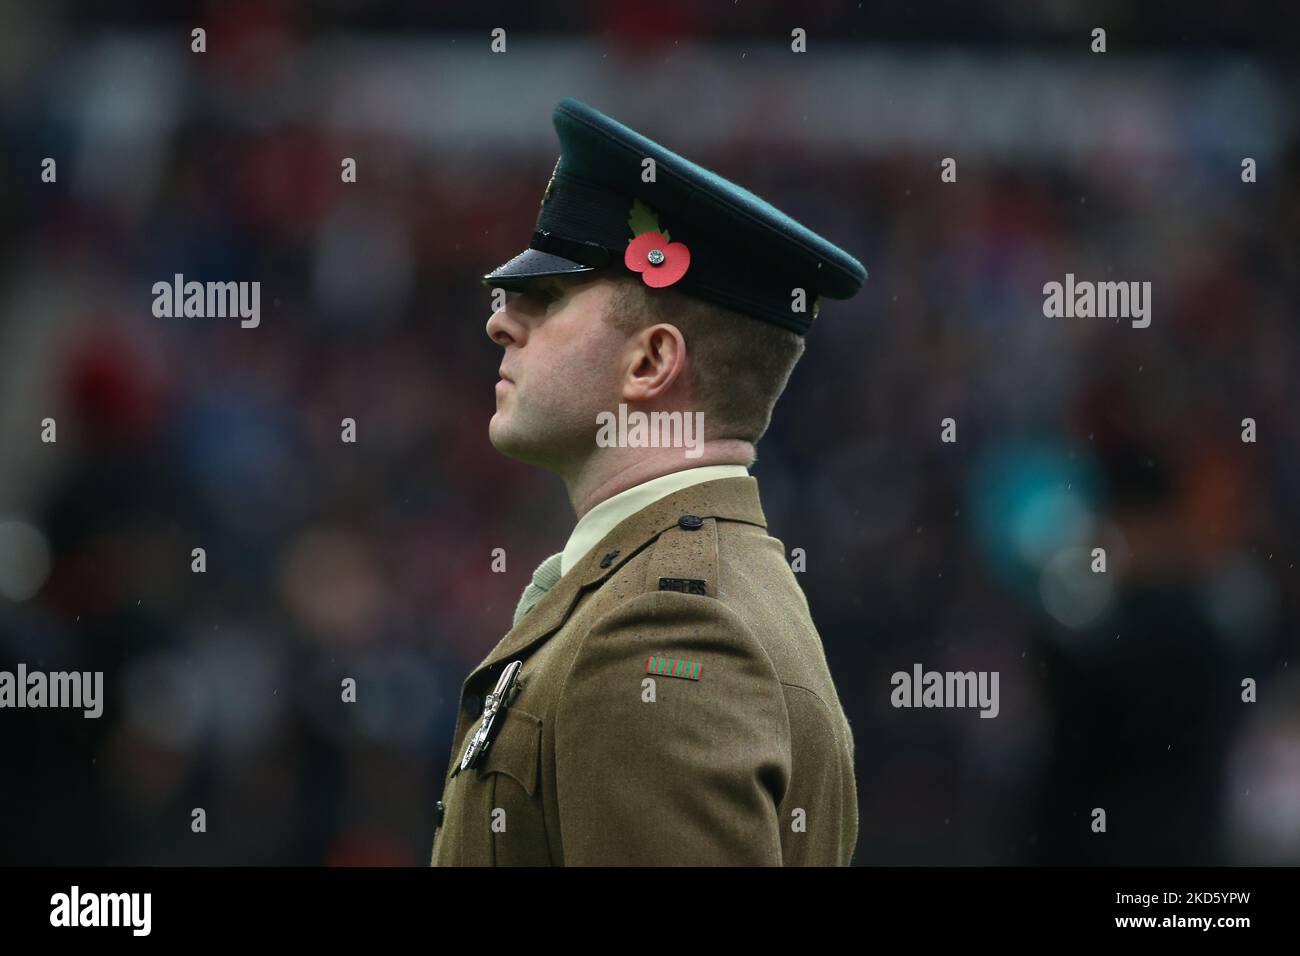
(562, 365)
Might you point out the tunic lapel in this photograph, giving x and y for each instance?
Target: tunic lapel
(733, 499)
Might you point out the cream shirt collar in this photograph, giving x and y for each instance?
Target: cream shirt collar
(606, 516)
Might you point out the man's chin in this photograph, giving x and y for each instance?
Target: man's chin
(508, 442)
(542, 450)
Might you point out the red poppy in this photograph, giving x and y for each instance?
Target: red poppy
(660, 262)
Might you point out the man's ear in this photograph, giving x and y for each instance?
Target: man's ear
(656, 357)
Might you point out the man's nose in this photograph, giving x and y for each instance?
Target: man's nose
(504, 329)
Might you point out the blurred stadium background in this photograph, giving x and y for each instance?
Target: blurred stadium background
(372, 560)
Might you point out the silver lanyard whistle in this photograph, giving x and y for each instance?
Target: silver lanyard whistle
(493, 706)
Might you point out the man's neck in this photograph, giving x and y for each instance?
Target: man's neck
(604, 476)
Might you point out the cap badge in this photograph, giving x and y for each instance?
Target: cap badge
(550, 182)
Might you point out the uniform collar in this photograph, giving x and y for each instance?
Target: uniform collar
(610, 513)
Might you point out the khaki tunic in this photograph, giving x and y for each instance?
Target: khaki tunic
(599, 762)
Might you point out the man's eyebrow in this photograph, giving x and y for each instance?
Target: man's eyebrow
(552, 283)
(528, 287)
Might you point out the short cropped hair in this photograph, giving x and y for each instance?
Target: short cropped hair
(739, 365)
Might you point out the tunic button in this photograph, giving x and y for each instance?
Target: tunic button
(473, 705)
(442, 811)
(690, 522)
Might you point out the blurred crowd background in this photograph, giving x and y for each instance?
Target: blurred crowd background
(372, 560)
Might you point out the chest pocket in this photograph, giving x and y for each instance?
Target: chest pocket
(515, 751)
(505, 824)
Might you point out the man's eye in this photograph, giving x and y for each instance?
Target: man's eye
(543, 295)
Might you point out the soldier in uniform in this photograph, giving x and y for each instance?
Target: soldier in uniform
(662, 697)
